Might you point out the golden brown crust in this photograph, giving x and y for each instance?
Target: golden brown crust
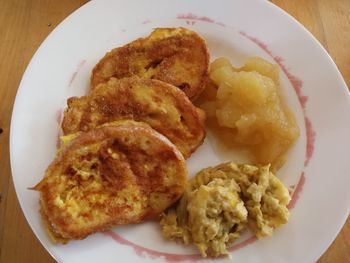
(174, 55)
(164, 107)
(114, 174)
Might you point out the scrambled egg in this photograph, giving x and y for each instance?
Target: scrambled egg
(221, 201)
(209, 216)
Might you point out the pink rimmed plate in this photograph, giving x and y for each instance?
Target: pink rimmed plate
(316, 170)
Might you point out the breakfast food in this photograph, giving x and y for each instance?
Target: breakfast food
(164, 107)
(174, 55)
(247, 102)
(119, 173)
(210, 216)
(220, 202)
(122, 156)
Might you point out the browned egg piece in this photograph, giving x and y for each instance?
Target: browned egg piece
(174, 55)
(164, 107)
(120, 173)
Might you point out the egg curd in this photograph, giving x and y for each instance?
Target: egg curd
(220, 202)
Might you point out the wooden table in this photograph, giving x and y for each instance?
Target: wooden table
(24, 24)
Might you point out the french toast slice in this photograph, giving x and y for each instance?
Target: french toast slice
(120, 173)
(164, 107)
(174, 55)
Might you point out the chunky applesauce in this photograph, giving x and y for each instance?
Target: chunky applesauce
(247, 103)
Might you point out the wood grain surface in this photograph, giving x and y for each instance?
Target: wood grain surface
(24, 24)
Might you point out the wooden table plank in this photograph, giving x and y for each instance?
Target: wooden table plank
(25, 24)
(336, 26)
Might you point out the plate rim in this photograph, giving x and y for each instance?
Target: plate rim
(87, 5)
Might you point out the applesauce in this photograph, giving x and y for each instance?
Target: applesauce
(247, 105)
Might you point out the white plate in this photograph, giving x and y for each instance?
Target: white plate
(317, 165)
